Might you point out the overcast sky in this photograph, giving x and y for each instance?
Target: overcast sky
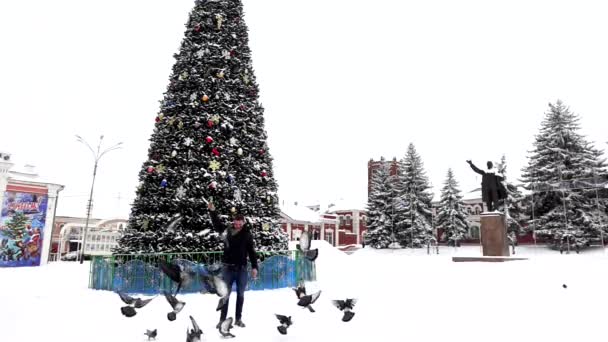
(342, 81)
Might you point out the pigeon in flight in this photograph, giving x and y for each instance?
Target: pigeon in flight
(216, 285)
(304, 246)
(307, 300)
(177, 274)
(194, 335)
(128, 310)
(346, 306)
(225, 327)
(175, 304)
(151, 334)
(285, 323)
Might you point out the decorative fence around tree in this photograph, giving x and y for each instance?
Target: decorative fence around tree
(139, 273)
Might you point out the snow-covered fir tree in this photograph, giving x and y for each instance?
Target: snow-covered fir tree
(381, 208)
(414, 215)
(515, 201)
(560, 168)
(451, 213)
(208, 143)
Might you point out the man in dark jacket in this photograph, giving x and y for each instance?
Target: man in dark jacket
(492, 189)
(238, 244)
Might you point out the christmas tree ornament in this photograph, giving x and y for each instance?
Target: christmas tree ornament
(193, 97)
(157, 119)
(214, 165)
(150, 169)
(220, 74)
(237, 195)
(144, 224)
(205, 98)
(246, 79)
(171, 121)
(215, 152)
(174, 153)
(197, 124)
(180, 124)
(188, 141)
(188, 179)
(232, 53)
(232, 141)
(215, 118)
(262, 152)
(264, 173)
(161, 116)
(160, 168)
(197, 27)
(230, 179)
(220, 19)
(213, 185)
(163, 183)
(239, 151)
(183, 76)
(180, 192)
(233, 210)
(200, 53)
(265, 226)
(209, 123)
(226, 54)
(208, 140)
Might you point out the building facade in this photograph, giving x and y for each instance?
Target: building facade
(27, 212)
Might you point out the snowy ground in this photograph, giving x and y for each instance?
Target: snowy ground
(403, 296)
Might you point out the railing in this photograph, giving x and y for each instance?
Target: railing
(139, 273)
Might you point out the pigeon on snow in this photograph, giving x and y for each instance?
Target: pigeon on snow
(151, 334)
(306, 300)
(175, 304)
(285, 323)
(194, 335)
(216, 285)
(346, 306)
(177, 274)
(128, 310)
(304, 246)
(225, 327)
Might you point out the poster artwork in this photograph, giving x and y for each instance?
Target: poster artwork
(21, 226)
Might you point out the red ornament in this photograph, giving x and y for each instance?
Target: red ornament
(262, 152)
(197, 27)
(213, 185)
(232, 53)
(208, 140)
(215, 152)
(264, 174)
(243, 107)
(150, 169)
(205, 98)
(157, 119)
(209, 123)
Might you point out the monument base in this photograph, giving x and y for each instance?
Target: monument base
(494, 239)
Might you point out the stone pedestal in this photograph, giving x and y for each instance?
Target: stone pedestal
(494, 235)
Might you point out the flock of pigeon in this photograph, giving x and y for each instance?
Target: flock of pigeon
(214, 284)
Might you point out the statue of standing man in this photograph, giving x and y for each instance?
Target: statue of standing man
(492, 189)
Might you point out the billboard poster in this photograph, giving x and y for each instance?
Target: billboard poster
(21, 226)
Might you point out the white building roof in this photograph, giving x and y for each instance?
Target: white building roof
(346, 205)
(300, 213)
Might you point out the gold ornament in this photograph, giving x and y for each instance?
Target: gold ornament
(205, 98)
(220, 74)
(160, 168)
(161, 116)
(239, 151)
(214, 165)
(215, 119)
(183, 76)
(171, 121)
(266, 226)
(233, 210)
(180, 125)
(246, 79)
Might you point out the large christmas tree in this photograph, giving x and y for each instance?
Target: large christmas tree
(414, 215)
(209, 143)
(381, 208)
(561, 171)
(452, 216)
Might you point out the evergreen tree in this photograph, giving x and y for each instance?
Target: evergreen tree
(515, 201)
(15, 228)
(414, 214)
(560, 167)
(208, 143)
(380, 208)
(451, 214)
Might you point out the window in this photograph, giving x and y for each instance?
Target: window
(329, 237)
(349, 220)
(474, 232)
(477, 211)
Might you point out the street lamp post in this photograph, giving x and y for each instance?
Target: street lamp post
(97, 155)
